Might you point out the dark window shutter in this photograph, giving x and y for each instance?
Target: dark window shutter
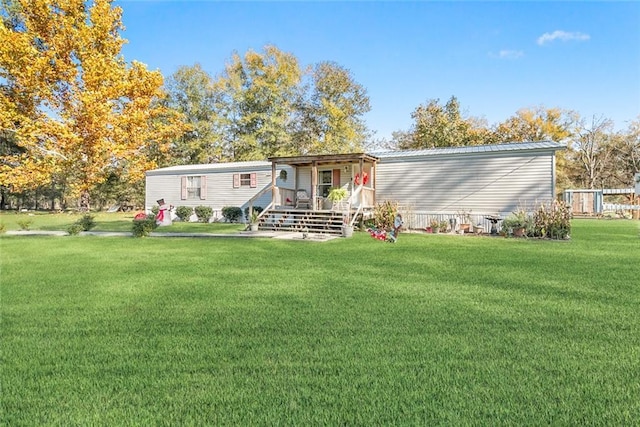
(203, 187)
(254, 180)
(183, 188)
(236, 180)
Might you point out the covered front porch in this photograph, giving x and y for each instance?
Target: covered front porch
(312, 178)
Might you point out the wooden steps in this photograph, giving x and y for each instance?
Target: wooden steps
(300, 220)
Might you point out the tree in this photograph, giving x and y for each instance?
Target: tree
(330, 121)
(592, 150)
(436, 125)
(537, 124)
(191, 93)
(255, 98)
(624, 161)
(77, 110)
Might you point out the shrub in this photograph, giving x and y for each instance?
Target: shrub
(25, 224)
(384, 214)
(75, 229)
(204, 213)
(87, 222)
(143, 227)
(552, 220)
(184, 213)
(256, 210)
(155, 210)
(231, 213)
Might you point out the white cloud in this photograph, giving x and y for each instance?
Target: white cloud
(507, 54)
(511, 54)
(562, 36)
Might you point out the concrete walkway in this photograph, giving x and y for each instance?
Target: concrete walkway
(311, 237)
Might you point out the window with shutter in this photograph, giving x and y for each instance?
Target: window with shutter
(193, 187)
(245, 180)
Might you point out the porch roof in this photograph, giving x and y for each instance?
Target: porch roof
(324, 159)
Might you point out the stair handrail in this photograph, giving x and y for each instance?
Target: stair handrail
(257, 196)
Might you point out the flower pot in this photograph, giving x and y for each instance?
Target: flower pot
(253, 227)
(347, 230)
(518, 232)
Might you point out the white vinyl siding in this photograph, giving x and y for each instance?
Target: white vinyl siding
(217, 189)
(495, 183)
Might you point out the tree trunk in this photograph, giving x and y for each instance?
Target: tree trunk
(84, 201)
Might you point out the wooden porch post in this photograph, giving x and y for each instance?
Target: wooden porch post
(374, 181)
(274, 189)
(314, 184)
(361, 181)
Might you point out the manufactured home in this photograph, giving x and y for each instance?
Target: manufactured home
(442, 183)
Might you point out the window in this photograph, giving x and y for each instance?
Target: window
(325, 182)
(244, 180)
(194, 188)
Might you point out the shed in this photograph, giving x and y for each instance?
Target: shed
(584, 201)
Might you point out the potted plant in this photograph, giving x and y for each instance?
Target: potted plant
(465, 221)
(516, 224)
(443, 226)
(253, 220)
(435, 226)
(347, 229)
(336, 195)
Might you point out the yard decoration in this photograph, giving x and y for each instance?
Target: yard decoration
(163, 217)
(365, 178)
(391, 236)
(377, 233)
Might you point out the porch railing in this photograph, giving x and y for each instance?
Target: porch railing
(362, 197)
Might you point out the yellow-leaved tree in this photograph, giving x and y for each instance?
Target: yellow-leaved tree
(74, 109)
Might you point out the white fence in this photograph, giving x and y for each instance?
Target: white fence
(619, 207)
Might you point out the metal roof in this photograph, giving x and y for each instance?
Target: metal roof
(352, 157)
(324, 158)
(473, 149)
(210, 167)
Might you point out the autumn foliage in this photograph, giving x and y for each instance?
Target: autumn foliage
(73, 108)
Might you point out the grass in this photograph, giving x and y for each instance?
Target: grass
(434, 330)
(117, 221)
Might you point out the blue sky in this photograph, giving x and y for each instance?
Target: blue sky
(495, 57)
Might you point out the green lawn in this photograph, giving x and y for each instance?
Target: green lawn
(434, 330)
(118, 221)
